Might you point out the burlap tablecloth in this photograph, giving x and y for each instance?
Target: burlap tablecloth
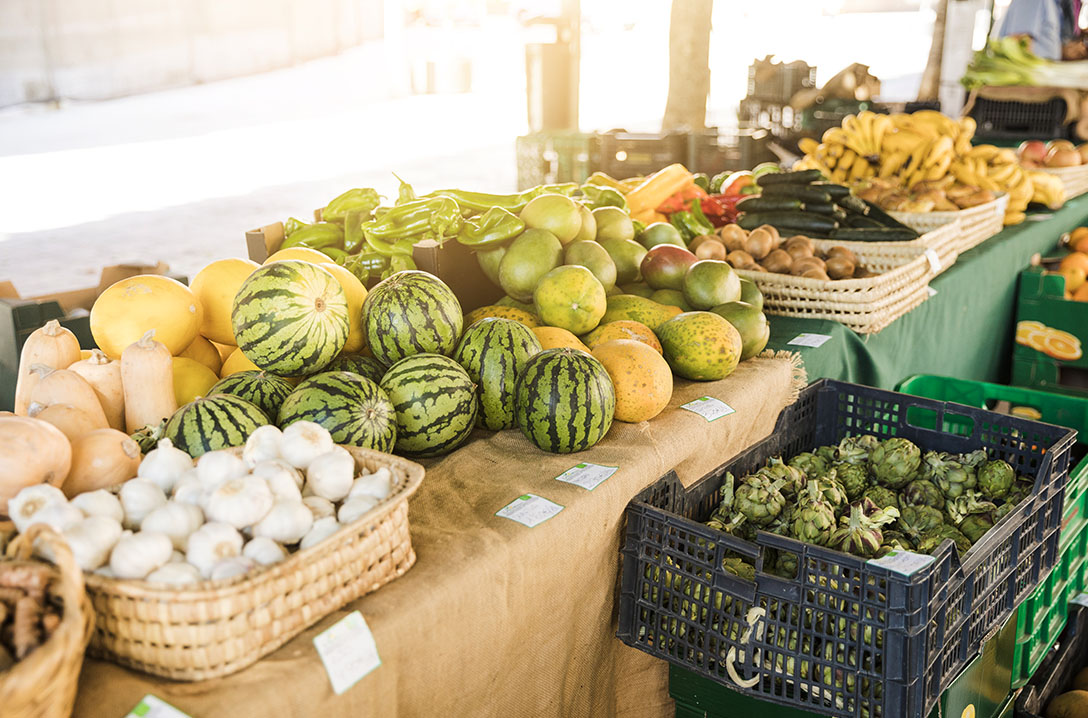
(496, 619)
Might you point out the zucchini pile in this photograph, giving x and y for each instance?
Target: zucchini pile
(803, 203)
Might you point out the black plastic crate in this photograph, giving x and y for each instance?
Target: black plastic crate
(1012, 120)
(629, 154)
(1057, 670)
(779, 81)
(846, 637)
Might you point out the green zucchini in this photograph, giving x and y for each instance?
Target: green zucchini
(853, 204)
(805, 193)
(802, 177)
(860, 221)
(837, 191)
(831, 210)
(885, 219)
(874, 234)
(802, 221)
(758, 203)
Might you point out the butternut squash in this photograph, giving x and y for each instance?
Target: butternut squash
(101, 459)
(64, 386)
(51, 345)
(657, 188)
(147, 377)
(31, 452)
(104, 376)
(72, 422)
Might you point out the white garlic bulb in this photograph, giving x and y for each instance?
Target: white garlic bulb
(319, 507)
(176, 520)
(215, 467)
(99, 502)
(30, 500)
(164, 465)
(331, 474)
(304, 441)
(321, 530)
(175, 574)
(139, 497)
(355, 508)
(262, 445)
(231, 567)
(92, 539)
(211, 543)
(141, 553)
(264, 551)
(240, 502)
(377, 485)
(287, 522)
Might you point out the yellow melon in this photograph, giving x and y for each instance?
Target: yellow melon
(304, 253)
(557, 338)
(128, 309)
(641, 376)
(502, 312)
(622, 329)
(235, 363)
(205, 352)
(191, 379)
(356, 295)
(225, 350)
(215, 287)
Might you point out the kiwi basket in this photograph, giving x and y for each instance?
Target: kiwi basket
(846, 636)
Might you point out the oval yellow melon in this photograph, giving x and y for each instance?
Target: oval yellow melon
(236, 362)
(128, 309)
(191, 379)
(641, 376)
(622, 329)
(215, 287)
(304, 253)
(557, 338)
(570, 297)
(356, 294)
(495, 310)
(225, 350)
(205, 352)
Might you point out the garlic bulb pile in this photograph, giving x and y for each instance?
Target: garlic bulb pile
(180, 522)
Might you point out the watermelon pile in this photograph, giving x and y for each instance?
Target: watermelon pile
(263, 390)
(564, 400)
(410, 313)
(435, 403)
(351, 407)
(213, 422)
(493, 351)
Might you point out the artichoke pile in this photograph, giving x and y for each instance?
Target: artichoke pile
(866, 496)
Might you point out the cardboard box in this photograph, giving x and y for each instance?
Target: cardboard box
(451, 261)
(19, 317)
(1061, 366)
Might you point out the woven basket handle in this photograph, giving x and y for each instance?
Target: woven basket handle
(71, 575)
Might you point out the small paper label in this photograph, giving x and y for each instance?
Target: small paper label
(348, 651)
(709, 408)
(1081, 599)
(1039, 217)
(152, 707)
(903, 562)
(529, 510)
(932, 292)
(809, 340)
(588, 476)
(934, 260)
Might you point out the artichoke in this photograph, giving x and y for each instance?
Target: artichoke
(897, 540)
(814, 517)
(759, 499)
(996, 478)
(894, 462)
(853, 477)
(971, 502)
(975, 525)
(856, 449)
(832, 490)
(810, 464)
(738, 567)
(919, 521)
(786, 564)
(922, 493)
(792, 479)
(829, 454)
(860, 534)
(781, 524)
(930, 542)
(881, 496)
(952, 473)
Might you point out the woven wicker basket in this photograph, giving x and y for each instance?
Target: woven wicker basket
(977, 224)
(43, 685)
(943, 240)
(219, 627)
(1074, 179)
(864, 305)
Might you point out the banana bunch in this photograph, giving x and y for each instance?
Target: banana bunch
(850, 152)
(1046, 189)
(996, 169)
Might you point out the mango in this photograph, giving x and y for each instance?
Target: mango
(593, 257)
(752, 324)
(638, 309)
(701, 346)
(534, 253)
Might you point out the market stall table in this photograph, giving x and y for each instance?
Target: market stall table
(965, 330)
(496, 619)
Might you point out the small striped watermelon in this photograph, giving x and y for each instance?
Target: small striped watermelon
(354, 409)
(290, 318)
(493, 352)
(263, 390)
(564, 400)
(212, 423)
(409, 313)
(369, 367)
(435, 401)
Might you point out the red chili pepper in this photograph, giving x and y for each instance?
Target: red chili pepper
(720, 209)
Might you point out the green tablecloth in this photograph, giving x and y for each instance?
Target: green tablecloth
(963, 331)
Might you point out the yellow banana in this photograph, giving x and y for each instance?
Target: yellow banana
(847, 160)
(891, 163)
(1014, 218)
(881, 125)
(1005, 156)
(915, 177)
(916, 158)
(986, 183)
(835, 149)
(807, 145)
(1002, 173)
(968, 127)
(962, 172)
(861, 169)
(902, 140)
(865, 132)
(982, 152)
(835, 134)
(838, 175)
(939, 170)
(938, 151)
(963, 145)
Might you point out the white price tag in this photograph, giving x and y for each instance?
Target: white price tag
(903, 562)
(933, 259)
(709, 408)
(809, 340)
(932, 292)
(1081, 599)
(1042, 217)
(588, 476)
(152, 707)
(348, 651)
(529, 510)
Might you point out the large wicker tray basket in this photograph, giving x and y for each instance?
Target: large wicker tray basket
(977, 224)
(1074, 179)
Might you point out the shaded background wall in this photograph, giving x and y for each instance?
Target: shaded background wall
(93, 50)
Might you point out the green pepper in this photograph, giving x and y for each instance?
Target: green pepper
(398, 263)
(700, 218)
(597, 196)
(405, 193)
(413, 218)
(353, 230)
(365, 265)
(640, 227)
(701, 180)
(334, 253)
(495, 226)
(292, 225)
(481, 201)
(363, 200)
(316, 236)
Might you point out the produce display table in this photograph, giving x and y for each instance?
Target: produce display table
(496, 619)
(965, 330)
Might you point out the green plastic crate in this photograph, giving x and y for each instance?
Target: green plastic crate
(1040, 300)
(1042, 616)
(558, 156)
